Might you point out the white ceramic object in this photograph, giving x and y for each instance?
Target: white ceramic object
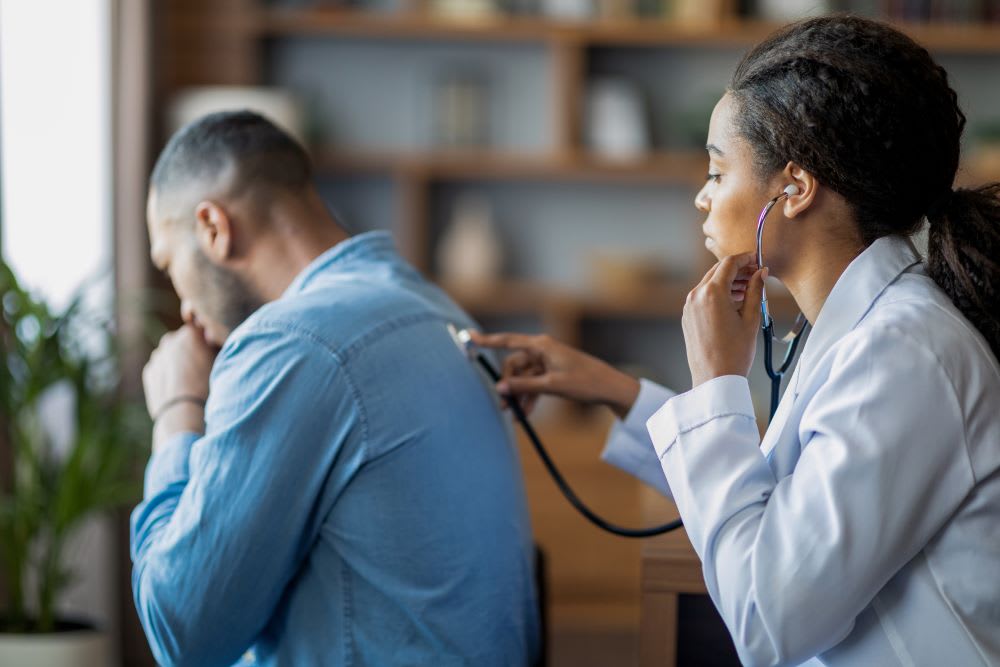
(470, 254)
(465, 10)
(276, 104)
(569, 10)
(76, 648)
(616, 120)
(787, 10)
(461, 112)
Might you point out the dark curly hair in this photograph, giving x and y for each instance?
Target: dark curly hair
(869, 113)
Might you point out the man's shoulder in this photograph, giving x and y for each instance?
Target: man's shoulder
(334, 312)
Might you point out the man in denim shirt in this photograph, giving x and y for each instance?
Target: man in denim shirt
(348, 493)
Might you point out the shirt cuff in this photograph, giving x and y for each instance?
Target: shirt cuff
(650, 399)
(628, 446)
(725, 396)
(169, 464)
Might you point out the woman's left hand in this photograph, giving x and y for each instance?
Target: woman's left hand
(721, 318)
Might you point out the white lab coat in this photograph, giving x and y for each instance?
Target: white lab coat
(865, 528)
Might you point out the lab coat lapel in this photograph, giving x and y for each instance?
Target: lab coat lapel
(858, 288)
(774, 429)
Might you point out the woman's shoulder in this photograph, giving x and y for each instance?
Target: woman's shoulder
(915, 305)
(915, 314)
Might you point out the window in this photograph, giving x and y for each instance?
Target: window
(56, 171)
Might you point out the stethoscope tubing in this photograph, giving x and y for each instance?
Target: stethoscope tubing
(767, 329)
(561, 482)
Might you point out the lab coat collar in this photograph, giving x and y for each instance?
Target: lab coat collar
(857, 289)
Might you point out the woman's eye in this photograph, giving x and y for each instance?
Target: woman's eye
(713, 177)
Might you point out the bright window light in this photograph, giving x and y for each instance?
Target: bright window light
(55, 136)
(56, 161)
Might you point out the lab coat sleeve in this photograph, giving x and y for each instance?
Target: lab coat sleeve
(628, 445)
(227, 517)
(791, 562)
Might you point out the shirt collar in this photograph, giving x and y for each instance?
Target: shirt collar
(853, 295)
(367, 247)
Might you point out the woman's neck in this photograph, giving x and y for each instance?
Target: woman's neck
(817, 269)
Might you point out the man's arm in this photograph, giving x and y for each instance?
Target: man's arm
(228, 516)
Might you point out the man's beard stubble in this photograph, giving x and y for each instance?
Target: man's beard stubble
(226, 298)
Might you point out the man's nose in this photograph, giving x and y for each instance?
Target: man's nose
(187, 312)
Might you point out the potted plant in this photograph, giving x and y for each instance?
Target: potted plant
(65, 467)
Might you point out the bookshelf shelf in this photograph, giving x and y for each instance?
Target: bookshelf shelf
(513, 298)
(727, 33)
(676, 167)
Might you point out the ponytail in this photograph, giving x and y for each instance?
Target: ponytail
(964, 255)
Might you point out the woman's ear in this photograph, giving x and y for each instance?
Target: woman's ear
(807, 185)
(214, 231)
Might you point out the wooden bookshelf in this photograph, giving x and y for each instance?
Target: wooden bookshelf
(228, 41)
(732, 32)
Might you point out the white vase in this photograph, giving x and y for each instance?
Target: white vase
(470, 253)
(616, 120)
(569, 10)
(788, 10)
(73, 648)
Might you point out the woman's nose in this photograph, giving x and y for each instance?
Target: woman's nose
(702, 202)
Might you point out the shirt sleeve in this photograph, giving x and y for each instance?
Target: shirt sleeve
(790, 563)
(628, 446)
(227, 517)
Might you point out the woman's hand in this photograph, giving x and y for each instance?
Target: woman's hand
(539, 365)
(721, 318)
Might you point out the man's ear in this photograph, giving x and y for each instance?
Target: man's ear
(214, 231)
(796, 205)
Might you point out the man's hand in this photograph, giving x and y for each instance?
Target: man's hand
(175, 379)
(721, 318)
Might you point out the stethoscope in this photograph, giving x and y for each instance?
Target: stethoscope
(792, 338)
(463, 339)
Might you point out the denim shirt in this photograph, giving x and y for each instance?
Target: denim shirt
(355, 499)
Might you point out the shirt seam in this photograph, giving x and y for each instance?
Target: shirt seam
(299, 332)
(963, 323)
(687, 429)
(352, 345)
(951, 607)
(892, 635)
(348, 607)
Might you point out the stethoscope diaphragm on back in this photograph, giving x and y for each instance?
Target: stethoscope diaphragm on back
(463, 340)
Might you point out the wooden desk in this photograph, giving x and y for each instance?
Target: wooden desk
(669, 567)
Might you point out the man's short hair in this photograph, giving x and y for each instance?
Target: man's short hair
(261, 156)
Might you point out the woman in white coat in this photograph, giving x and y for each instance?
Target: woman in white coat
(864, 529)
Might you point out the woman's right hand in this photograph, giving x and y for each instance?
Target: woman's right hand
(540, 365)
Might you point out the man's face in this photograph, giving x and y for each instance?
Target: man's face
(213, 298)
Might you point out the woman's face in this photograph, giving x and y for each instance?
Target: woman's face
(734, 192)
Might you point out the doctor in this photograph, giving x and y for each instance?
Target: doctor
(864, 529)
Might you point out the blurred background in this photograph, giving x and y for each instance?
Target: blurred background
(538, 158)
